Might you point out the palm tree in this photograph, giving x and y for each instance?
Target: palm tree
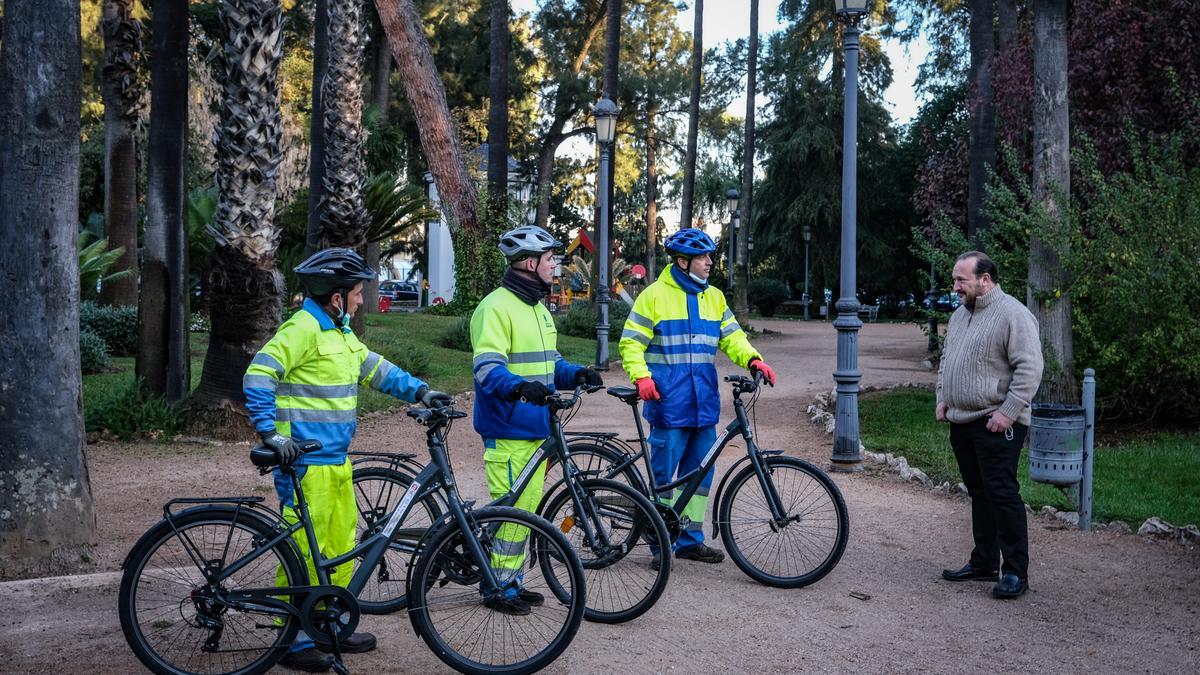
(163, 360)
(314, 234)
(119, 86)
(741, 304)
(46, 496)
(244, 283)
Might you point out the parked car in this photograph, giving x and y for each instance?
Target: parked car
(942, 302)
(401, 293)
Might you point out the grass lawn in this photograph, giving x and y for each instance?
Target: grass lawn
(1154, 475)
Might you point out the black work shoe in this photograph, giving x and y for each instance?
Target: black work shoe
(1010, 586)
(700, 553)
(531, 598)
(358, 643)
(310, 660)
(968, 573)
(510, 606)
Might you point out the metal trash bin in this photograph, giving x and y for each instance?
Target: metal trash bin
(1056, 443)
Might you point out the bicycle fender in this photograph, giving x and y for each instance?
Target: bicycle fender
(725, 479)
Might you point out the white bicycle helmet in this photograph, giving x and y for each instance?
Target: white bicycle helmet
(525, 241)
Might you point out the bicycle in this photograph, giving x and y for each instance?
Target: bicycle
(783, 520)
(199, 592)
(615, 529)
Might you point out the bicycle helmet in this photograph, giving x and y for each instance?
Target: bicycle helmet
(525, 241)
(689, 242)
(332, 269)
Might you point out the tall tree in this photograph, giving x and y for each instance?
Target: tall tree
(163, 356)
(612, 64)
(381, 69)
(982, 141)
(741, 304)
(315, 234)
(1047, 295)
(120, 88)
(45, 499)
(245, 286)
(427, 97)
(497, 157)
(689, 159)
(1006, 22)
(572, 93)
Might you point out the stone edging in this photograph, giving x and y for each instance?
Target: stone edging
(819, 413)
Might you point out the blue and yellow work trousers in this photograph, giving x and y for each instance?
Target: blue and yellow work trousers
(329, 492)
(677, 452)
(505, 460)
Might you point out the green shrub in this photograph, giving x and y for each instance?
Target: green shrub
(93, 353)
(117, 326)
(580, 320)
(458, 335)
(125, 413)
(409, 357)
(767, 294)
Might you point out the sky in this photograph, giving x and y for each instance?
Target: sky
(727, 20)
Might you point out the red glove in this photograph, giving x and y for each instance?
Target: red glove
(647, 391)
(757, 366)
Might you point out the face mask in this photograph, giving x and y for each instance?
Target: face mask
(702, 282)
(345, 320)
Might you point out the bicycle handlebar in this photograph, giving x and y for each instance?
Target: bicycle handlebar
(559, 401)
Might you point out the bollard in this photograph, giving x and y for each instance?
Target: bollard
(1089, 445)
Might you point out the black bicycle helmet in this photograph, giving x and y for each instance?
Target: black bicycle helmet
(333, 269)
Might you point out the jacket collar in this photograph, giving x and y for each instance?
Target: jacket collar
(681, 280)
(988, 298)
(319, 313)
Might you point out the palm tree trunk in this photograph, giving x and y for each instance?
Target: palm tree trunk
(381, 71)
(46, 499)
(314, 234)
(246, 287)
(163, 358)
(1048, 294)
(982, 141)
(651, 189)
(119, 84)
(741, 305)
(689, 160)
(1006, 11)
(497, 158)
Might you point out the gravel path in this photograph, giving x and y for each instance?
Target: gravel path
(1097, 602)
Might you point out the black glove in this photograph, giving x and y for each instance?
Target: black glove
(284, 447)
(589, 376)
(431, 398)
(533, 392)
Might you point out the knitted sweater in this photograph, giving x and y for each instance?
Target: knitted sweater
(992, 360)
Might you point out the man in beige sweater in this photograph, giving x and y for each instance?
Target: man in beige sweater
(990, 370)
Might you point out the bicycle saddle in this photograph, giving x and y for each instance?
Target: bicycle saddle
(626, 394)
(265, 458)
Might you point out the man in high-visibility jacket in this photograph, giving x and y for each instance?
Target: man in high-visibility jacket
(517, 368)
(668, 348)
(303, 385)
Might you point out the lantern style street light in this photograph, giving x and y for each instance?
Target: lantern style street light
(606, 130)
(806, 231)
(731, 202)
(846, 455)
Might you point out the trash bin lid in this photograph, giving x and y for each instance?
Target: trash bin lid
(1056, 410)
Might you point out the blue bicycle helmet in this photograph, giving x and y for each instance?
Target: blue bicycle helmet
(689, 241)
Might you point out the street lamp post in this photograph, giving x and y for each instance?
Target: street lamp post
(731, 201)
(846, 454)
(606, 129)
(806, 231)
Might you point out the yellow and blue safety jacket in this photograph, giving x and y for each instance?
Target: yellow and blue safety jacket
(304, 383)
(514, 341)
(672, 335)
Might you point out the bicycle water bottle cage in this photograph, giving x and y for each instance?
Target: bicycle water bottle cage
(627, 394)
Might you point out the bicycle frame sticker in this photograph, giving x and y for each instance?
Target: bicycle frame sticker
(530, 467)
(716, 447)
(398, 514)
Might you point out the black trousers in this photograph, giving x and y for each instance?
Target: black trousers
(988, 463)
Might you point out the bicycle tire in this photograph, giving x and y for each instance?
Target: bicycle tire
(637, 535)
(378, 490)
(440, 613)
(812, 501)
(177, 577)
(593, 461)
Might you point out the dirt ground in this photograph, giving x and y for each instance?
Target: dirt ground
(1098, 603)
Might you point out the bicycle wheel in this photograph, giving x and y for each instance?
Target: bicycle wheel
(447, 607)
(627, 536)
(175, 625)
(801, 549)
(378, 490)
(593, 461)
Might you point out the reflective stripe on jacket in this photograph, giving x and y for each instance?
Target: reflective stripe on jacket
(673, 335)
(514, 341)
(304, 383)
